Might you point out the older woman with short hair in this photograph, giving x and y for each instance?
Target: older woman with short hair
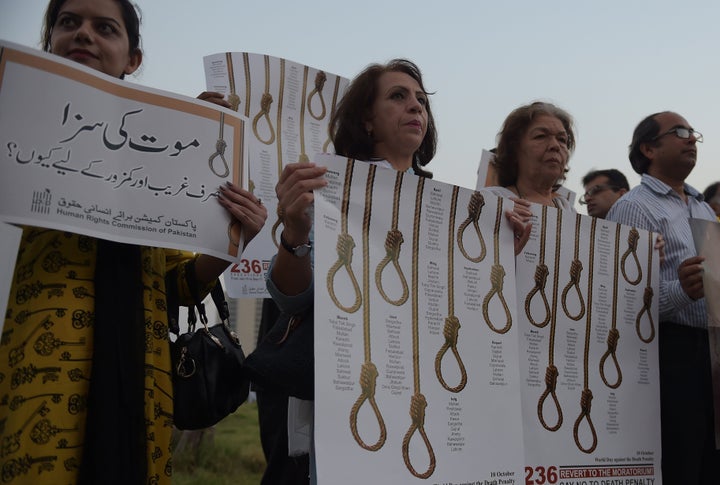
(534, 147)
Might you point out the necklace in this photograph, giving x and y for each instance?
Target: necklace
(520, 195)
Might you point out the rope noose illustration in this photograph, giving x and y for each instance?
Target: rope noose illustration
(541, 275)
(281, 91)
(551, 373)
(368, 371)
(264, 113)
(633, 237)
(246, 68)
(303, 158)
(586, 395)
(220, 146)
(320, 79)
(497, 277)
(233, 97)
(575, 273)
(345, 246)
(613, 335)
(418, 403)
(393, 241)
(452, 323)
(647, 298)
(332, 112)
(475, 206)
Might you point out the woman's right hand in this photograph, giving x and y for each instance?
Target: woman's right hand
(295, 196)
(520, 221)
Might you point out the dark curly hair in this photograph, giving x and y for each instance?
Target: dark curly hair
(615, 176)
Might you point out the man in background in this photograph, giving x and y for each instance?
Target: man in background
(602, 189)
(664, 152)
(712, 197)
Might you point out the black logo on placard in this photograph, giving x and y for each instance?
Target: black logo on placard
(41, 201)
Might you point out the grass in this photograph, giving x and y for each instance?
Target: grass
(229, 453)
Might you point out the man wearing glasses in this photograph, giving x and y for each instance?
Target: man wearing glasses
(602, 189)
(664, 152)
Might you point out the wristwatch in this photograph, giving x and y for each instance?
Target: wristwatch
(298, 251)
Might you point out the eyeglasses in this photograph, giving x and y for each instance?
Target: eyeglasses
(596, 189)
(683, 133)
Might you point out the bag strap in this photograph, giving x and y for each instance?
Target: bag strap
(218, 296)
(191, 280)
(172, 301)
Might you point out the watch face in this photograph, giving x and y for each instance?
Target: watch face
(299, 251)
(302, 250)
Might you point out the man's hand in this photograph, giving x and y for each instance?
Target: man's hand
(690, 273)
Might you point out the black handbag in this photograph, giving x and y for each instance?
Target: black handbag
(284, 359)
(207, 362)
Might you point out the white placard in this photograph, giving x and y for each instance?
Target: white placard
(288, 106)
(568, 394)
(447, 413)
(588, 323)
(90, 154)
(706, 235)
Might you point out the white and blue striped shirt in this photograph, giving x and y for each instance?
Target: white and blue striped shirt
(655, 206)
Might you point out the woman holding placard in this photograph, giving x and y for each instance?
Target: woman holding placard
(85, 358)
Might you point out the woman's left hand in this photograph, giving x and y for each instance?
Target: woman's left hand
(215, 98)
(245, 208)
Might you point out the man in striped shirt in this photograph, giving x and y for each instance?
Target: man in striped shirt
(664, 152)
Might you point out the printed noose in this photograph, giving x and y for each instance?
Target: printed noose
(613, 335)
(497, 277)
(345, 246)
(264, 114)
(220, 147)
(541, 274)
(368, 371)
(278, 143)
(575, 273)
(393, 241)
(320, 79)
(475, 206)
(248, 81)
(326, 145)
(418, 403)
(552, 373)
(633, 238)
(647, 299)
(303, 158)
(587, 395)
(452, 323)
(233, 97)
